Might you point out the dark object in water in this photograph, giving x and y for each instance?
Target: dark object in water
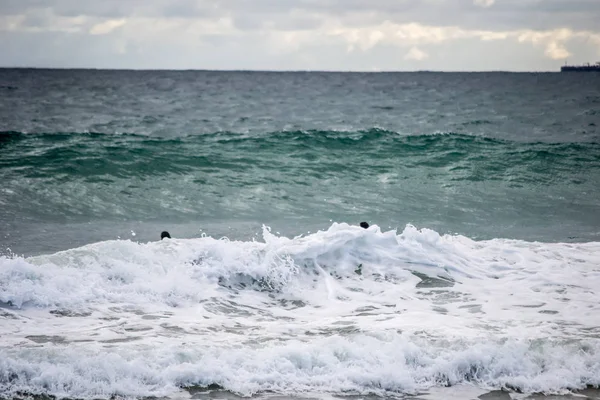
(364, 225)
(358, 270)
(164, 234)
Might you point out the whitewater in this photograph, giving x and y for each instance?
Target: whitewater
(342, 311)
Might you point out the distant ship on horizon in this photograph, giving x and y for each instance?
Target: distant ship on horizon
(581, 68)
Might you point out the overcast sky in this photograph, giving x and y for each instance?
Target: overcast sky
(360, 35)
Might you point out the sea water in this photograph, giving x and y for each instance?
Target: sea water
(480, 271)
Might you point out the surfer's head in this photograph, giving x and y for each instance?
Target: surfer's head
(164, 234)
(364, 225)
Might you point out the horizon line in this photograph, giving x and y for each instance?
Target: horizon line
(276, 70)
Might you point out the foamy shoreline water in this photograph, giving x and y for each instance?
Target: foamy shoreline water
(346, 310)
(453, 393)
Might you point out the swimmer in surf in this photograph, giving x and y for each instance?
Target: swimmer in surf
(358, 270)
(164, 234)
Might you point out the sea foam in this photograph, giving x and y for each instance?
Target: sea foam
(341, 311)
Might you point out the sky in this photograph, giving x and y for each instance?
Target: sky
(340, 35)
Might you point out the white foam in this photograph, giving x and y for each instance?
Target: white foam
(293, 315)
(361, 365)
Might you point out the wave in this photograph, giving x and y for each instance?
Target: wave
(340, 366)
(306, 134)
(169, 271)
(342, 311)
(478, 186)
(93, 154)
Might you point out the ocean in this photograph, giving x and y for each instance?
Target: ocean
(479, 276)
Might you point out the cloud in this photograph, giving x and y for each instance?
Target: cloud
(555, 41)
(506, 15)
(42, 20)
(415, 54)
(556, 51)
(107, 26)
(273, 34)
(484, 3)
(414, 34)
(11, 23)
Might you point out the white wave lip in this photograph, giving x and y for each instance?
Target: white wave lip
(346, 310)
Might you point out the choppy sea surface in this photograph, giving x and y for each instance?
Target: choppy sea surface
(478, 277)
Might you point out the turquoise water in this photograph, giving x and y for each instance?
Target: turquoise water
(95, 155)
(295, 181)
